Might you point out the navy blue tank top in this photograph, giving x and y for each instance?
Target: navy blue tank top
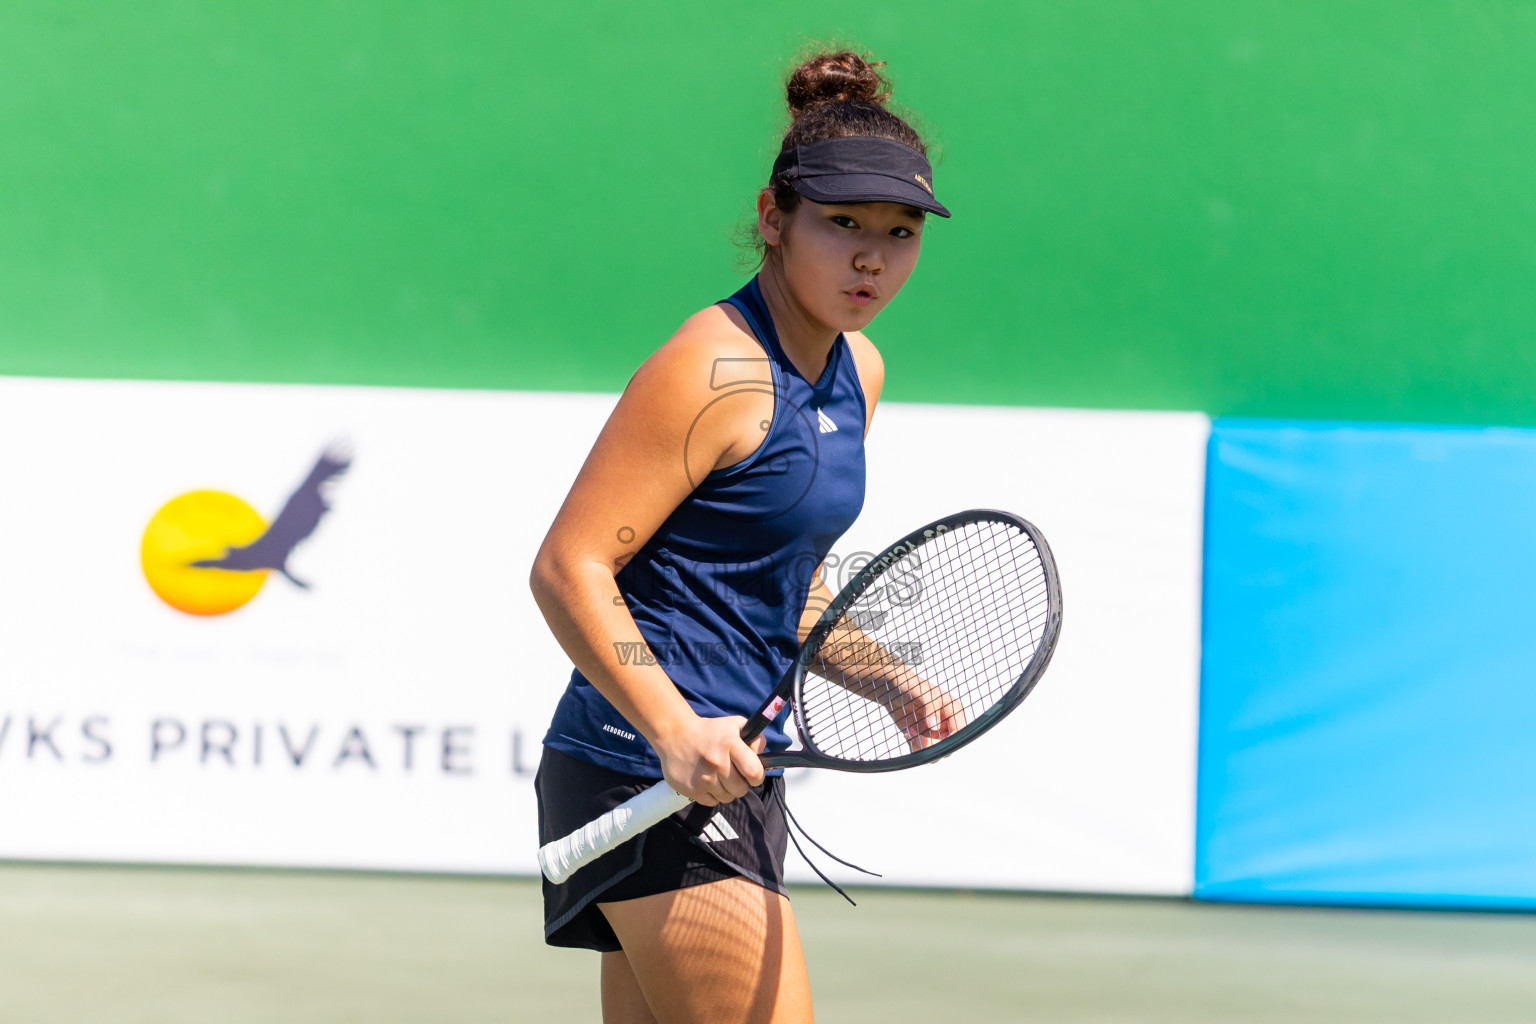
(718, 591)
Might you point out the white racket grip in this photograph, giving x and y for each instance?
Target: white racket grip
(562, 858)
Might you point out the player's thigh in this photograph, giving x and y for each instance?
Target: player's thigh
(725, 951)
(623, 1002)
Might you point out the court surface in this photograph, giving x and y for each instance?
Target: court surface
(112, 944)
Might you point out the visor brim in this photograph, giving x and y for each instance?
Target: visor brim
(867, 188)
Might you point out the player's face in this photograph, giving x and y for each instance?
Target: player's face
(845, 263)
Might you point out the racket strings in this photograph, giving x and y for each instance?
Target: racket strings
(905, 669)
(865, 727)
(967, 652)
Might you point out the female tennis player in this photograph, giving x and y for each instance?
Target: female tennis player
(682, 571)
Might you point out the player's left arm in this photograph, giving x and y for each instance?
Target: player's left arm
(866, 359)
(863, 665)
(858, 661)
(871, 368)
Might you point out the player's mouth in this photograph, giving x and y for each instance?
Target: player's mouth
(863, 295)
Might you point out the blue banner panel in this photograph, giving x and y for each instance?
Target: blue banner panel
(1368, 704)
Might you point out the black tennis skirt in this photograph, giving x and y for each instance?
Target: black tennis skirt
(746, 837)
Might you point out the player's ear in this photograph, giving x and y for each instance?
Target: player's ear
(770, 219)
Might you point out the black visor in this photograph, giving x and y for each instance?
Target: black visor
(860, 169)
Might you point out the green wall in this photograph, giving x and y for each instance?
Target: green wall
(1300, 207)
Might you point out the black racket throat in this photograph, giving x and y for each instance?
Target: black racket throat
(986, 634)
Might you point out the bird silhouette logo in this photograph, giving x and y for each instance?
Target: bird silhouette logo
(209, 552)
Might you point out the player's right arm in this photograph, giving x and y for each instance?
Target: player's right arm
(632, 480)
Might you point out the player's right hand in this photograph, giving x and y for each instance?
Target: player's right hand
(705, 759)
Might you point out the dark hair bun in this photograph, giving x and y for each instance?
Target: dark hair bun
(841, 77)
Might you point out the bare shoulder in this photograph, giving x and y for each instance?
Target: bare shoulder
(703, 389)
(871, 369)
(711, 351)
(867, 358)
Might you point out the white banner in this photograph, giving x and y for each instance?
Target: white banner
(380, 704)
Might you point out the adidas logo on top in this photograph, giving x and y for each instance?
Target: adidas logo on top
(825, 422)
(718, 830)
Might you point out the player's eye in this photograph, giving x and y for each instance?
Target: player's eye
(844, 222)
(903, 232)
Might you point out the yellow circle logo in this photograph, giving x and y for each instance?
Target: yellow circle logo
(201, 526)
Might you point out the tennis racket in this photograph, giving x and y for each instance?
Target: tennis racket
(931, 644)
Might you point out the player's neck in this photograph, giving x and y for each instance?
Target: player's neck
(806, 341)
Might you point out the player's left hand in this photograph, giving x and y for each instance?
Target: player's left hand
(926, 713)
